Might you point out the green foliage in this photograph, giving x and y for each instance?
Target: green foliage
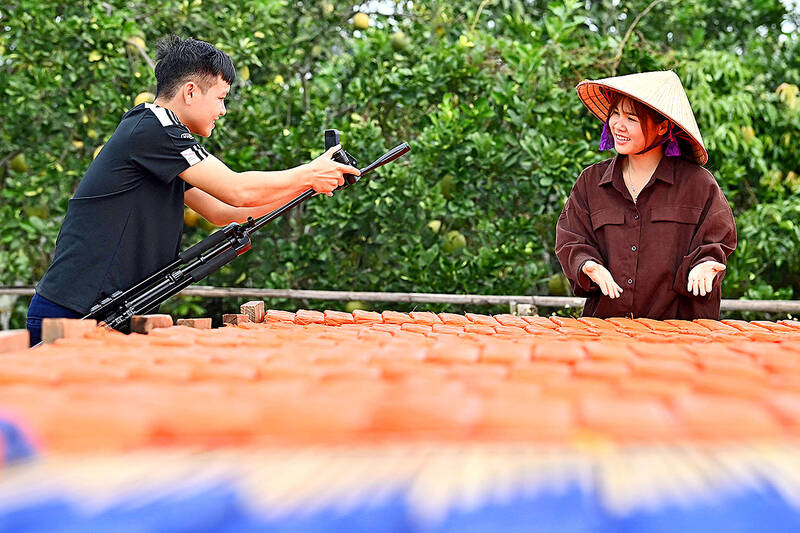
(483, 92)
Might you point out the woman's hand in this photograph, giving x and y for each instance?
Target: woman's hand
(701, 277)
(602, 277)
(324, 174)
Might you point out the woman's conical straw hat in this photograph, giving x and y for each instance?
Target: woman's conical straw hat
(661, 90)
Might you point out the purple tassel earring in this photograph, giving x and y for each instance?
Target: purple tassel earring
(672, 150)
(606, 140)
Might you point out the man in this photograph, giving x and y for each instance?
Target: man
(126, 218)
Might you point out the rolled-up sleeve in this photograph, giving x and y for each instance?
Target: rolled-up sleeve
(576, 244)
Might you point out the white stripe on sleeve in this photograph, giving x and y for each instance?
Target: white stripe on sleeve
(161, 114)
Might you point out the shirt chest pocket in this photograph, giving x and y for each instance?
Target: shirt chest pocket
(607, 217)
(676, 213)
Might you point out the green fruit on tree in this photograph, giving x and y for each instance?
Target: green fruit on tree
(446, 186)
(244, 73)
(361, 21)
(558, 285)
(144, 97)
(18, 163)
(453, 241)
(78, 145)
(435, 225)
(400, 41)
(352, 306)
(40, 211)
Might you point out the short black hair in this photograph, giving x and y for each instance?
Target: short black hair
(178, 60)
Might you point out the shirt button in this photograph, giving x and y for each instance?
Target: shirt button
(630, 281)
(636, 216)
(634, 248)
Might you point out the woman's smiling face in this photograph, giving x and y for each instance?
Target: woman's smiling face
(625, 125)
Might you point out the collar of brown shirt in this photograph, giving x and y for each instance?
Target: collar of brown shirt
(665, 171)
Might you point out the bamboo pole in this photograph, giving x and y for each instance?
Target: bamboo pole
(767, 306)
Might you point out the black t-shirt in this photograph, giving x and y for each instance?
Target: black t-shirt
(126, 217)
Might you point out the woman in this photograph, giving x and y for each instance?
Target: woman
(647, 233)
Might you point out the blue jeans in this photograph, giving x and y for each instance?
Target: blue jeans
(41, 308)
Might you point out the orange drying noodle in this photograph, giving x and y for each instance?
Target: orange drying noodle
(657, 325)
(485, 320)
(741, 325)
(479, 328)
(366, 317)
(563, 322)
(453, 320)
(539, 330)
(510, 320)
(645, 419)
(505, 352)
(388, 328)
(716, 325)
(602, 369)
(337, 318)
(629, 324)
(772, 326)
(563, 351)
(304, 316)
(447, 329)
(275, 315)
(394, 317)
(447, 351)
(687, 326)
(596, 323)
(540, 321)
(577, 332)
(510, 330)
(425, 317)
(416, 328)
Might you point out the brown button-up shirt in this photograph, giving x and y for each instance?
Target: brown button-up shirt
(680, 219)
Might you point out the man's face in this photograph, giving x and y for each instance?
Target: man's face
(206, 107)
